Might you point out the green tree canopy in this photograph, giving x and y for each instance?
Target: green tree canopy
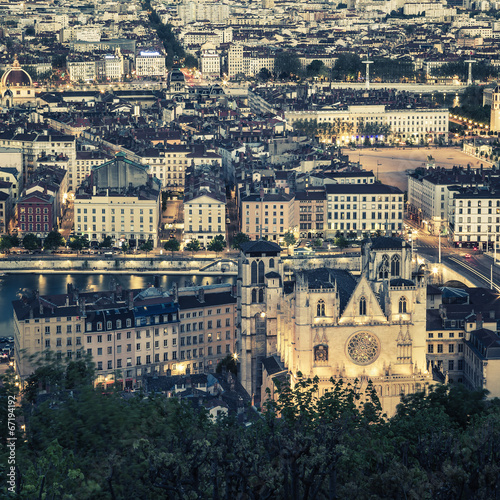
(54, 240)
(264, 74)
(78, 243)
(107, 242)
(240, 238)
(347, 66)
(289, 238)
(217, 244)
(147, 246)
(31, 242)
(190, 61)
(7, 242)
(315, 68)
(287, 63)
(193, 246)
(172, 245)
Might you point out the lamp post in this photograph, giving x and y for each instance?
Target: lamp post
(439, 240)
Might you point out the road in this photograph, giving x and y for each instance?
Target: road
(476, 268)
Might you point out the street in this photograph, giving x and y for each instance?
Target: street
(476, 268)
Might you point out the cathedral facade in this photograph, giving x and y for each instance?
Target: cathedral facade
(328, 322)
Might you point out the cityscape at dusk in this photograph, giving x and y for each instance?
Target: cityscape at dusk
(248, 249)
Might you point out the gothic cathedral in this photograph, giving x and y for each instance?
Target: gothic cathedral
(330, 322)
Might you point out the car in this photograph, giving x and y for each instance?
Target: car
(467, 256)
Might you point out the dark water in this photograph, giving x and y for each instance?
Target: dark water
(11, 285)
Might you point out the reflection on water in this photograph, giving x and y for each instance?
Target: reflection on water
(52, 284)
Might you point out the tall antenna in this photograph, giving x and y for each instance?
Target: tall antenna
(367, 78)
(469, 78)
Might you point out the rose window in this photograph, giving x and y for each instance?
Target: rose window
(363, 348)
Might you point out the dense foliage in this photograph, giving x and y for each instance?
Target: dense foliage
(86, 443)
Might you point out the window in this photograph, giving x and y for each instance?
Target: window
(460, 348)
(430, 349)
(451, 348)
(384, 267)
(402, 305)
(451, 364)
(320, 308)
(440, 348)
(395, 265)
(362, 306)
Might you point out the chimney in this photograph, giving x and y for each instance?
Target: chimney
(175, 291)
(94, 190)
(40, 304)
(81, 306)
(156, 281)
(261, 194)
(130, 300)
(201, 295)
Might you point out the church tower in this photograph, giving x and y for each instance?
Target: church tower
(495, 110)
(260, 281)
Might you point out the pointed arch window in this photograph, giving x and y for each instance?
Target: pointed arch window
(261, 272)
(253, 273)
(402, 305)
(362, 306)
(384, 267)
(254, 296)
(395, 265)
(271, 263)
(320, 308)
(261, 295)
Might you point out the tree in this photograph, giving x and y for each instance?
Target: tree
(172, 245)
(146, 246)
(287, 63)
(190, 61)
(107, 242)
(315, 68)
(341, 242)
(53, 241)
(78, 243)
(7, 242)
(125, 247)
(193, 246)
(240, 238)
(289, 239)
(264, 74)
(347, 66)
(31, 242)
(217, 244)
(318, 242)
(229, 362)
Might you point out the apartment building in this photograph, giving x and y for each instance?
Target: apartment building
(405, 123)
(209, 61)
(482, 362)
(311, 210)
(430, 200)
(40, 206)
(474, 214)
(6, 206)
(364, 208)
(204, 205)
(149, 63)
(85, 161)
(168, 165)
(35, 145)
(120, 200)
(129, 334)
(268, 215)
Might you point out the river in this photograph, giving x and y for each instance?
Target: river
(50, 284)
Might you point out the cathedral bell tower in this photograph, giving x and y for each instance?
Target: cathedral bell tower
(260, 279)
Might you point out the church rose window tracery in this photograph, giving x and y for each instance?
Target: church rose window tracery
(363, 348)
